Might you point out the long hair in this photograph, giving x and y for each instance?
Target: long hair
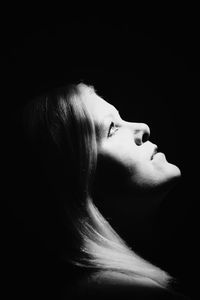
(62, 135)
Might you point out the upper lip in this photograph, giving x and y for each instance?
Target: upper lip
(155, 150)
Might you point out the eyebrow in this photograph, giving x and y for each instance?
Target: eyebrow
(112, 113)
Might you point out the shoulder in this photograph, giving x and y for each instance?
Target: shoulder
(114, 285)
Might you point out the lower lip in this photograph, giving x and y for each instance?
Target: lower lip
(159, 155)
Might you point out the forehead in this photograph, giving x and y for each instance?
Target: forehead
(97, 106)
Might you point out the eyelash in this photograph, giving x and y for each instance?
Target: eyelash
(112, 125)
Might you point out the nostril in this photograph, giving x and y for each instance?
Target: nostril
(145, 137)
(138, 141)
(141, 133)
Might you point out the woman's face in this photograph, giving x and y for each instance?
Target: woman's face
(126, 157)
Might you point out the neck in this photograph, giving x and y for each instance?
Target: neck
(131, 216)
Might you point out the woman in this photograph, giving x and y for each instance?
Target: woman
(91, 157)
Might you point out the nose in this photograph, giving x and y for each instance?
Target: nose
(141, 133)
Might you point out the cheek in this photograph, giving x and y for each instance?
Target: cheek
(115, 165)
(122, 155)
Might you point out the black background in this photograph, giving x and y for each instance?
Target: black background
(149, 69)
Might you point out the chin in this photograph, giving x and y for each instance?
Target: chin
(169, 177)
(173, 172)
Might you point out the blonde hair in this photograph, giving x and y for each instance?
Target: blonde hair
(71, 132)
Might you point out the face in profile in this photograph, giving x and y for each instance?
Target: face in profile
(127, 159)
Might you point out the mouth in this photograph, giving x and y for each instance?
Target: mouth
(154, 152)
